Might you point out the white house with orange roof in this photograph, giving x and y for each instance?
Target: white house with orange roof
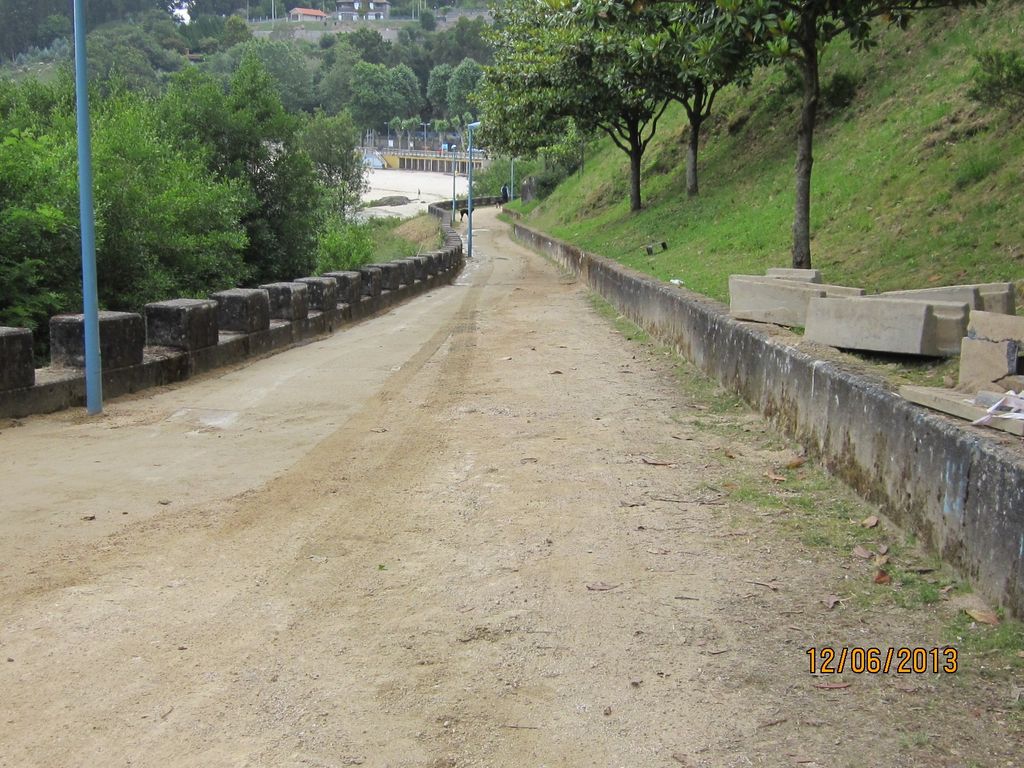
(306, 14)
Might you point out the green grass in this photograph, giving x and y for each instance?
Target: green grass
(914, 184)
(394, 238)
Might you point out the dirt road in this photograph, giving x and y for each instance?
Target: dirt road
(485, 529)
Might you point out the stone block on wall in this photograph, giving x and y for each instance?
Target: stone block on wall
(323, 292)
(182, 323)
(17, 369)
(243, 310)
(390, 278)
(122, 338)
(288, 301)
(372, 280)
(350, 286)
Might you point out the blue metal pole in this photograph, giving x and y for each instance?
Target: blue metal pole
(90, 299)
(469, 129)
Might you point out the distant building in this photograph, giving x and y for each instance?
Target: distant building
(306, 14)
(356, 10)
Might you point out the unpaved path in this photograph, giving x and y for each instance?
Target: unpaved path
(484, 529)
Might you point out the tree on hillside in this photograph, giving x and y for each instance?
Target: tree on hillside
(379, 94)
(553, 64)
(464, 80)
(331, 141)
(437, 89)
(371, 46)
(686, 48)
(247, 136)
(407, 90)
(799, 31)
(334, 91)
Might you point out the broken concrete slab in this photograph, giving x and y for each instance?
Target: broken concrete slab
(984, 362)
(803, 275)
(957, 404)
(995, 326)
(989, 297)
(901, 326)
(778, 301)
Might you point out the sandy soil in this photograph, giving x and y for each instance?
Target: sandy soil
(422, 189)
(484, 529)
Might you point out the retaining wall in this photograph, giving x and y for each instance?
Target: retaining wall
(181, 338)
(959, 488)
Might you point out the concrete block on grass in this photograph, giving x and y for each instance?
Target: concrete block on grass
(989, 297)
(778, 301)
(243, 310)
(17, 369)
(122, 338)
(187, 324)
(288, 301)
(983, 362)
(898, 326)
(995, 326)
(803, 275)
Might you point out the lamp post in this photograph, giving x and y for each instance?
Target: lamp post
(451, 148)
(512, 180)
(469, 204)
(90, 297)
(425, 135)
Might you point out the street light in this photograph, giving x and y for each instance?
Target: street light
(469, 129)
(87, 219)
(512, 180)
(451, 148)
(425, 135)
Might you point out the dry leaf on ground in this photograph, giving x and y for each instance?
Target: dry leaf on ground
(985, 617)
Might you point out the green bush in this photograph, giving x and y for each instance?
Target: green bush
(999, 78)
(343, 245)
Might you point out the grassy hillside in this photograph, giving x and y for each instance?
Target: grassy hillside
(914, 185)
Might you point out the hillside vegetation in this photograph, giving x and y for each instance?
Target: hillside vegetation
(915, 184)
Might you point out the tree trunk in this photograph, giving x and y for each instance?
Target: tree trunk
(636, 154)
(692, 189)
(804, 157)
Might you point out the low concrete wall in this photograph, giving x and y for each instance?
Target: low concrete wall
(238, 324)
(959, 488)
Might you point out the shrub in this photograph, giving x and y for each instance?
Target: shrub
(999, 78)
